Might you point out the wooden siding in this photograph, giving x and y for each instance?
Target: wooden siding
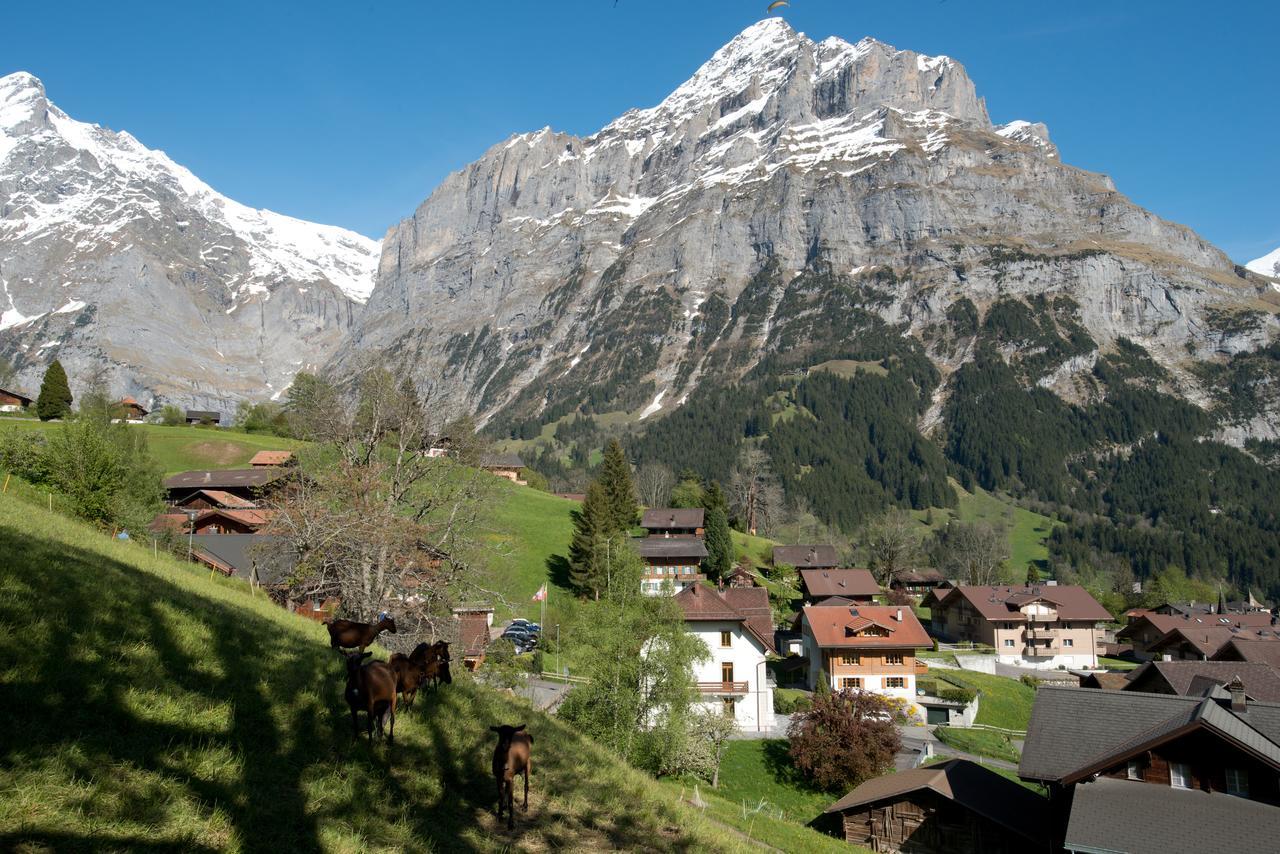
(925, 823)
(1207, 758)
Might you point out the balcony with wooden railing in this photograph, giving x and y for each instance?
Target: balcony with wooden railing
(722, 688)
(1047, 649)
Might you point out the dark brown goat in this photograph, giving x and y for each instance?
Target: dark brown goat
(347, 634)
(410, 676)
(512, 756)
(371, 688)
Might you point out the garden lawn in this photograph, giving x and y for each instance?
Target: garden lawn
(1005, 702)
(980, 742)
(758, 770)
(1117, 663)
(150, 707)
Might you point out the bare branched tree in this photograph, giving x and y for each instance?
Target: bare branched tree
(654, 482)
(972, 553)
(755, 491)
(891, 543)
(375, 515)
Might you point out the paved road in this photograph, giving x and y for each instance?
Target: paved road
(544, 694)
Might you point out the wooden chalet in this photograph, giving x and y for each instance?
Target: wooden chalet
(262, 562)
(202, 416)
(956, 807)
(249, 485)
(741, 577)
(508, 466)
(674, 522)
(674, 560)
(12, 401)
(131, 410)
(1261, 681)
(1132, 771)
(918, 582)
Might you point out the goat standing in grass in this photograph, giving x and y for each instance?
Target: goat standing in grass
(435, 659)
(371, 688)
(347, 634)
(410, 675)
(512, 756)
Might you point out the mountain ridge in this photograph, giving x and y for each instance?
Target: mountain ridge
(102, 238)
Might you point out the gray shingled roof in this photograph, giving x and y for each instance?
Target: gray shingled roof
(806, 556)
(1073, 727)
(243, 551)
(671, 547)
(222, 478)
(657, 518)
(501, 461)
(1109, 816)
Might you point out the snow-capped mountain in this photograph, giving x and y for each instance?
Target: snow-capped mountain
(112, 255)
(1267, 265)
(775, 204)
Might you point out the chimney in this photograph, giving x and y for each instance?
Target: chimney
(1239, 704)
(208, 476)
(813, 554)
(898, 616)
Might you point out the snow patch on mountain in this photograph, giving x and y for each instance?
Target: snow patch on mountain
(1267, 265)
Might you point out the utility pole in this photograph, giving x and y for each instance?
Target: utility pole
(191, 530)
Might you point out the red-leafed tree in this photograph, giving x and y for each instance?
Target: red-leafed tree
(846, 737)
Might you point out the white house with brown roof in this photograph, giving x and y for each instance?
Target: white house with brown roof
(864, 647)
(1043, 626)
(736, 626)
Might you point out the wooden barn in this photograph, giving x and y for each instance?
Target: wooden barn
(956, 807)
(12, 401)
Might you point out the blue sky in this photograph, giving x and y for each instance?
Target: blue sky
(351, 113)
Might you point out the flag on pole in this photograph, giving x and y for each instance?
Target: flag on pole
(541, 595)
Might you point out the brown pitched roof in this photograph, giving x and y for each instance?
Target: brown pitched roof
(657, 518)
(473, 632)
(1249, 649)
(271, 458)
(671, 547)
(223, 498)
(1191, 678)
(743, 605)
(1165, 623)
(1208, 639)
(919, 576)
(973, 787)
(828, 624)
(1001, 602)
(246, 517)
(222, 478)
(806, 556)
(16, 394)
(1106, 681)
(839, 582)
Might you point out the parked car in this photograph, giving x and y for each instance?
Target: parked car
(534, 627)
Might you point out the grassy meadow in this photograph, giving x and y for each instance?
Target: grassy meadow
(1005, 702)
(151, 708)
(183, 448)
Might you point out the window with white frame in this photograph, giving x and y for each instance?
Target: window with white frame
(1068, 642)
(1135, 769)
(1238, 782)
(1179, 775)
(895, 682)
(1008, 641)
(893, 658)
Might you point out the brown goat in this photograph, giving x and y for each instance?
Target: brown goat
(371, 688)
(352, 635)
(410, 676)
(512, 756)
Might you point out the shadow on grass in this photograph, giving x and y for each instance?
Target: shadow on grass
(153, 718)
(558, 571)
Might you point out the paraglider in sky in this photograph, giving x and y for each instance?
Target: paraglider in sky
(775, 5)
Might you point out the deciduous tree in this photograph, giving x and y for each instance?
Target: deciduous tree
(972, 553)
(892, 544)
(654, 482)
(755, 491)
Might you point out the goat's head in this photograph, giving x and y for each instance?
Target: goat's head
(354, 661)
(505, 732)
(386, 623)
(442, 651)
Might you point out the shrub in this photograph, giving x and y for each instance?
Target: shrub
(1030, 681)
(846, 738)
(788, 702)
(172, 416)
(958, 695)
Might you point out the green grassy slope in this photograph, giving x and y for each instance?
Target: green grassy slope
(151, 708)
(183, 448)
(1028, 531)
(1005, 702)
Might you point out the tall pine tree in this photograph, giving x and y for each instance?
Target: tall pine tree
(590, 529)
(719, 541)
(54, 400)
(620, 493)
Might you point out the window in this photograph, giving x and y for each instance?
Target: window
(895, 682)
(726, 672)
(1008, 641)
(850, 659)
(1238, 782)
(1068, 642)
(893, 658)
(728, 706)
(851, 682)
(1135, 769)
(726, 638)
(1179, 775)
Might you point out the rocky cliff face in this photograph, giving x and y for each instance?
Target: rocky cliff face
(766, 208)
(113, 256)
